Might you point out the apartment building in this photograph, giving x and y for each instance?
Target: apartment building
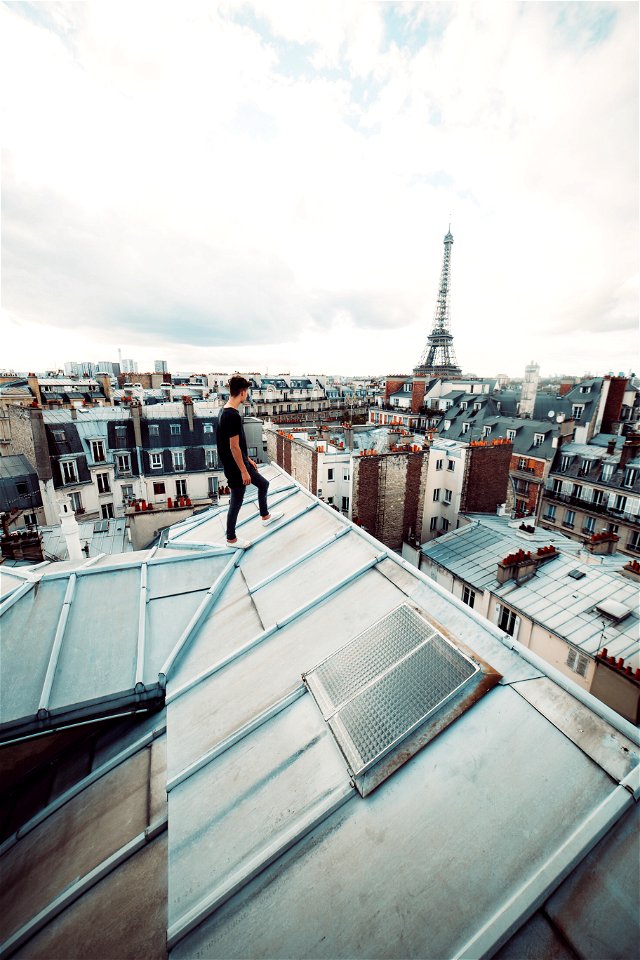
(594, 488)
(575, 608)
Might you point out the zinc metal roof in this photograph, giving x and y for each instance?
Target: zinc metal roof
(112, 540)
(271, 852)
(552, 598)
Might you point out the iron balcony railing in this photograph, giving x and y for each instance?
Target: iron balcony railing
(601, 509)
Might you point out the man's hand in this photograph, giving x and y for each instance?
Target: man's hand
(246, 479)
(253, 463)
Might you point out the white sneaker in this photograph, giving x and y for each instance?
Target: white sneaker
(239, 544)
(272, 519)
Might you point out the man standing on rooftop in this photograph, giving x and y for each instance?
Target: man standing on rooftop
(240, 470)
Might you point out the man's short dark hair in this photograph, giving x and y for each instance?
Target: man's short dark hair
(237, 384)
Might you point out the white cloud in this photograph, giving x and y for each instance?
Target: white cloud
(235, 179)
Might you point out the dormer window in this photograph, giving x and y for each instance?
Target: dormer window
(630, 476)
(607, 471)
(576, 411)
(565, 463)
(511, 434)
(538, 439)
(585, 467)
(464, 404)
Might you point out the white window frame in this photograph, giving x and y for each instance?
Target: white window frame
(123, 464)
(511, 434)
(433, 524)
(448, 496)
(468, 596)
(76, 500)
(71, 467)
(106, 509)
(181, 485)
(155, 461)
(154, 429)
(175, 429)
(207, 428)
(103, 482)
(330, 476)
(538, 439)
(451, 465)
(439, 464)
(211, 459)
(436, 494)
(177, 459)
(98, 454)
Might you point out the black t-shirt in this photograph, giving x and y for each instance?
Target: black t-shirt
(230, 425)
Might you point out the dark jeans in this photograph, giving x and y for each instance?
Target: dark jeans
(237, 496)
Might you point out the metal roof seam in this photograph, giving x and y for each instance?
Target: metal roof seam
(192, 627)
(632, 782)
(522, 904)
(81, 785)
(142, 626)
(43, 706)
(205, 555)
(237, 736)
(283, 523)
(298, 560)
(80, 887)
(268, 855)
(265, 634)
(15, 595)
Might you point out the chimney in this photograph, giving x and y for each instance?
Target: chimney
(630, 449)
(348, 437)
(34, 385)
(611, 446)
(105, 381)
(187, 403)
(70, 529)
(74, 412)
(136, 413)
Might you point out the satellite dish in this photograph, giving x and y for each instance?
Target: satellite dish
(560, 418)
(551, 413)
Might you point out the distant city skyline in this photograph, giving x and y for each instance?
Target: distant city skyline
(267, 186)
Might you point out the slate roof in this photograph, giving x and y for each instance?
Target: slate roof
(271, 852)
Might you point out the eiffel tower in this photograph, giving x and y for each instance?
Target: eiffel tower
(438, 358)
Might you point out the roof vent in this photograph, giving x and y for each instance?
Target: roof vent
(576, 574)
(389, 686)
(613, 609)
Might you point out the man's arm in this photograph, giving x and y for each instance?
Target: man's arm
(236, 453)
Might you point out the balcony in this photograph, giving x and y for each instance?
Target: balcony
(600, 509)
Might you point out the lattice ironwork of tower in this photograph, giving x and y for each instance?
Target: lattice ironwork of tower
(438, 358)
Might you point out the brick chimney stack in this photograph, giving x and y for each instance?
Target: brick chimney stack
(630, 449)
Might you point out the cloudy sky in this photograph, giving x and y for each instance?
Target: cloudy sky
(267, 185)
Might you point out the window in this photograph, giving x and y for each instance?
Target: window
(106, 510)
(123, 464)
(103, 483)
(463, 405)
(69, 471)
(598, 498)
(330, 474)
(30, 519)
(447, 424)
(447, 496)
(76, 501)
(127, 492)
(207, 428)
(585, 389)
(569, 519)
(522, 463)
(451, 465)
(159, 488)
(181, 488)
(345, 503)
(477, 406)
(613, 528)
(178, 459)
(121, 436)
(156, 461)
(630, 476)
(585, 467)
(211, 458)
(577, 662)
(607, 471)
(486, 431)
(465, 427)
(576, 411)
(589, 525)
(557, 486)
(154, 430)
(330, 500)
(551, 512)
(59, 436)
(468, 596)
(97, 451)
(439, 464)
(538, 439)
(253, 452)
(436, 494)
(21, 488)
(511, 434)
(522, 486)
(634, 541)
(212, 483)
(576, 491)
(433, 525)
(444, 526)
(346, 475)
(620, 504)
(521, 506)
(507, 620)
(565, 463)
